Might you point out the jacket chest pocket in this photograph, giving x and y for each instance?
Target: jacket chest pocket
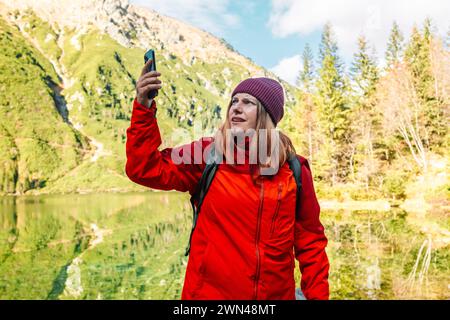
(282, 212)
(275, 216)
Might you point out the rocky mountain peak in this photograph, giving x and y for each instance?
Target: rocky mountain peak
(134, 26)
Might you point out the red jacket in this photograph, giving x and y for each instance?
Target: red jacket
(247, 235)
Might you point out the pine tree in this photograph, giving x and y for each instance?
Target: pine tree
(395, 46)
(430, 109)
(365, 122)
(427, 30)
(332, 108)
(306, 75)
(418, 60)
(364, 69)
(305, 81)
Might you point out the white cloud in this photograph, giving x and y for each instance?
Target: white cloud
(210, 15)
(288, 68)
(350, 18)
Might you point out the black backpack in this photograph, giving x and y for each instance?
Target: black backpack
(207, 177)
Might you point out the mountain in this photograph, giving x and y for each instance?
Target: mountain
(69, 70)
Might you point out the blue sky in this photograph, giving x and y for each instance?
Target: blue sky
(273, 33)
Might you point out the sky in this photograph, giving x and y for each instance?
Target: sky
(273, 33)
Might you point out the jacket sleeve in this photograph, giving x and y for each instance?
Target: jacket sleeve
(148, 166)
(310, 241)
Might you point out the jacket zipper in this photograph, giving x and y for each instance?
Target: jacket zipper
(258, 262)
(277, 209)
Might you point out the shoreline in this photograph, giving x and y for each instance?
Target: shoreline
(413, 205)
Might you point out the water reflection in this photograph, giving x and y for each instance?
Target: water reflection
(374, 256)
(92, 246)
(131, 246)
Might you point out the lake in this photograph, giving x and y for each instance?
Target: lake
(131, 246)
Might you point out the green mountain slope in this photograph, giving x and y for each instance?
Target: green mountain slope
(86, 83)
(37, 145)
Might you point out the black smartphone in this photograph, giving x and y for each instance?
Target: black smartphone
(150, 54)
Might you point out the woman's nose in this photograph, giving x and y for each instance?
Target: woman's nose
(237, 108)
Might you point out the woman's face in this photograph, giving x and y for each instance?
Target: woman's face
(243, 112)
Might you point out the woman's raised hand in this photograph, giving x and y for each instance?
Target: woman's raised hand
(147, 81)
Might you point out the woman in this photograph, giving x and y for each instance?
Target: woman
(247, 233)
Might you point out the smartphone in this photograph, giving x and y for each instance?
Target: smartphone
(150, 54)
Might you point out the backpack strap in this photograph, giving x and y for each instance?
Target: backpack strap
(202, 188)
(296, 168)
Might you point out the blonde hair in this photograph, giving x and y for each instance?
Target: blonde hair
(263, 121)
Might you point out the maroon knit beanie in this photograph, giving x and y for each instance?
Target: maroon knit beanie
(268, 91)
